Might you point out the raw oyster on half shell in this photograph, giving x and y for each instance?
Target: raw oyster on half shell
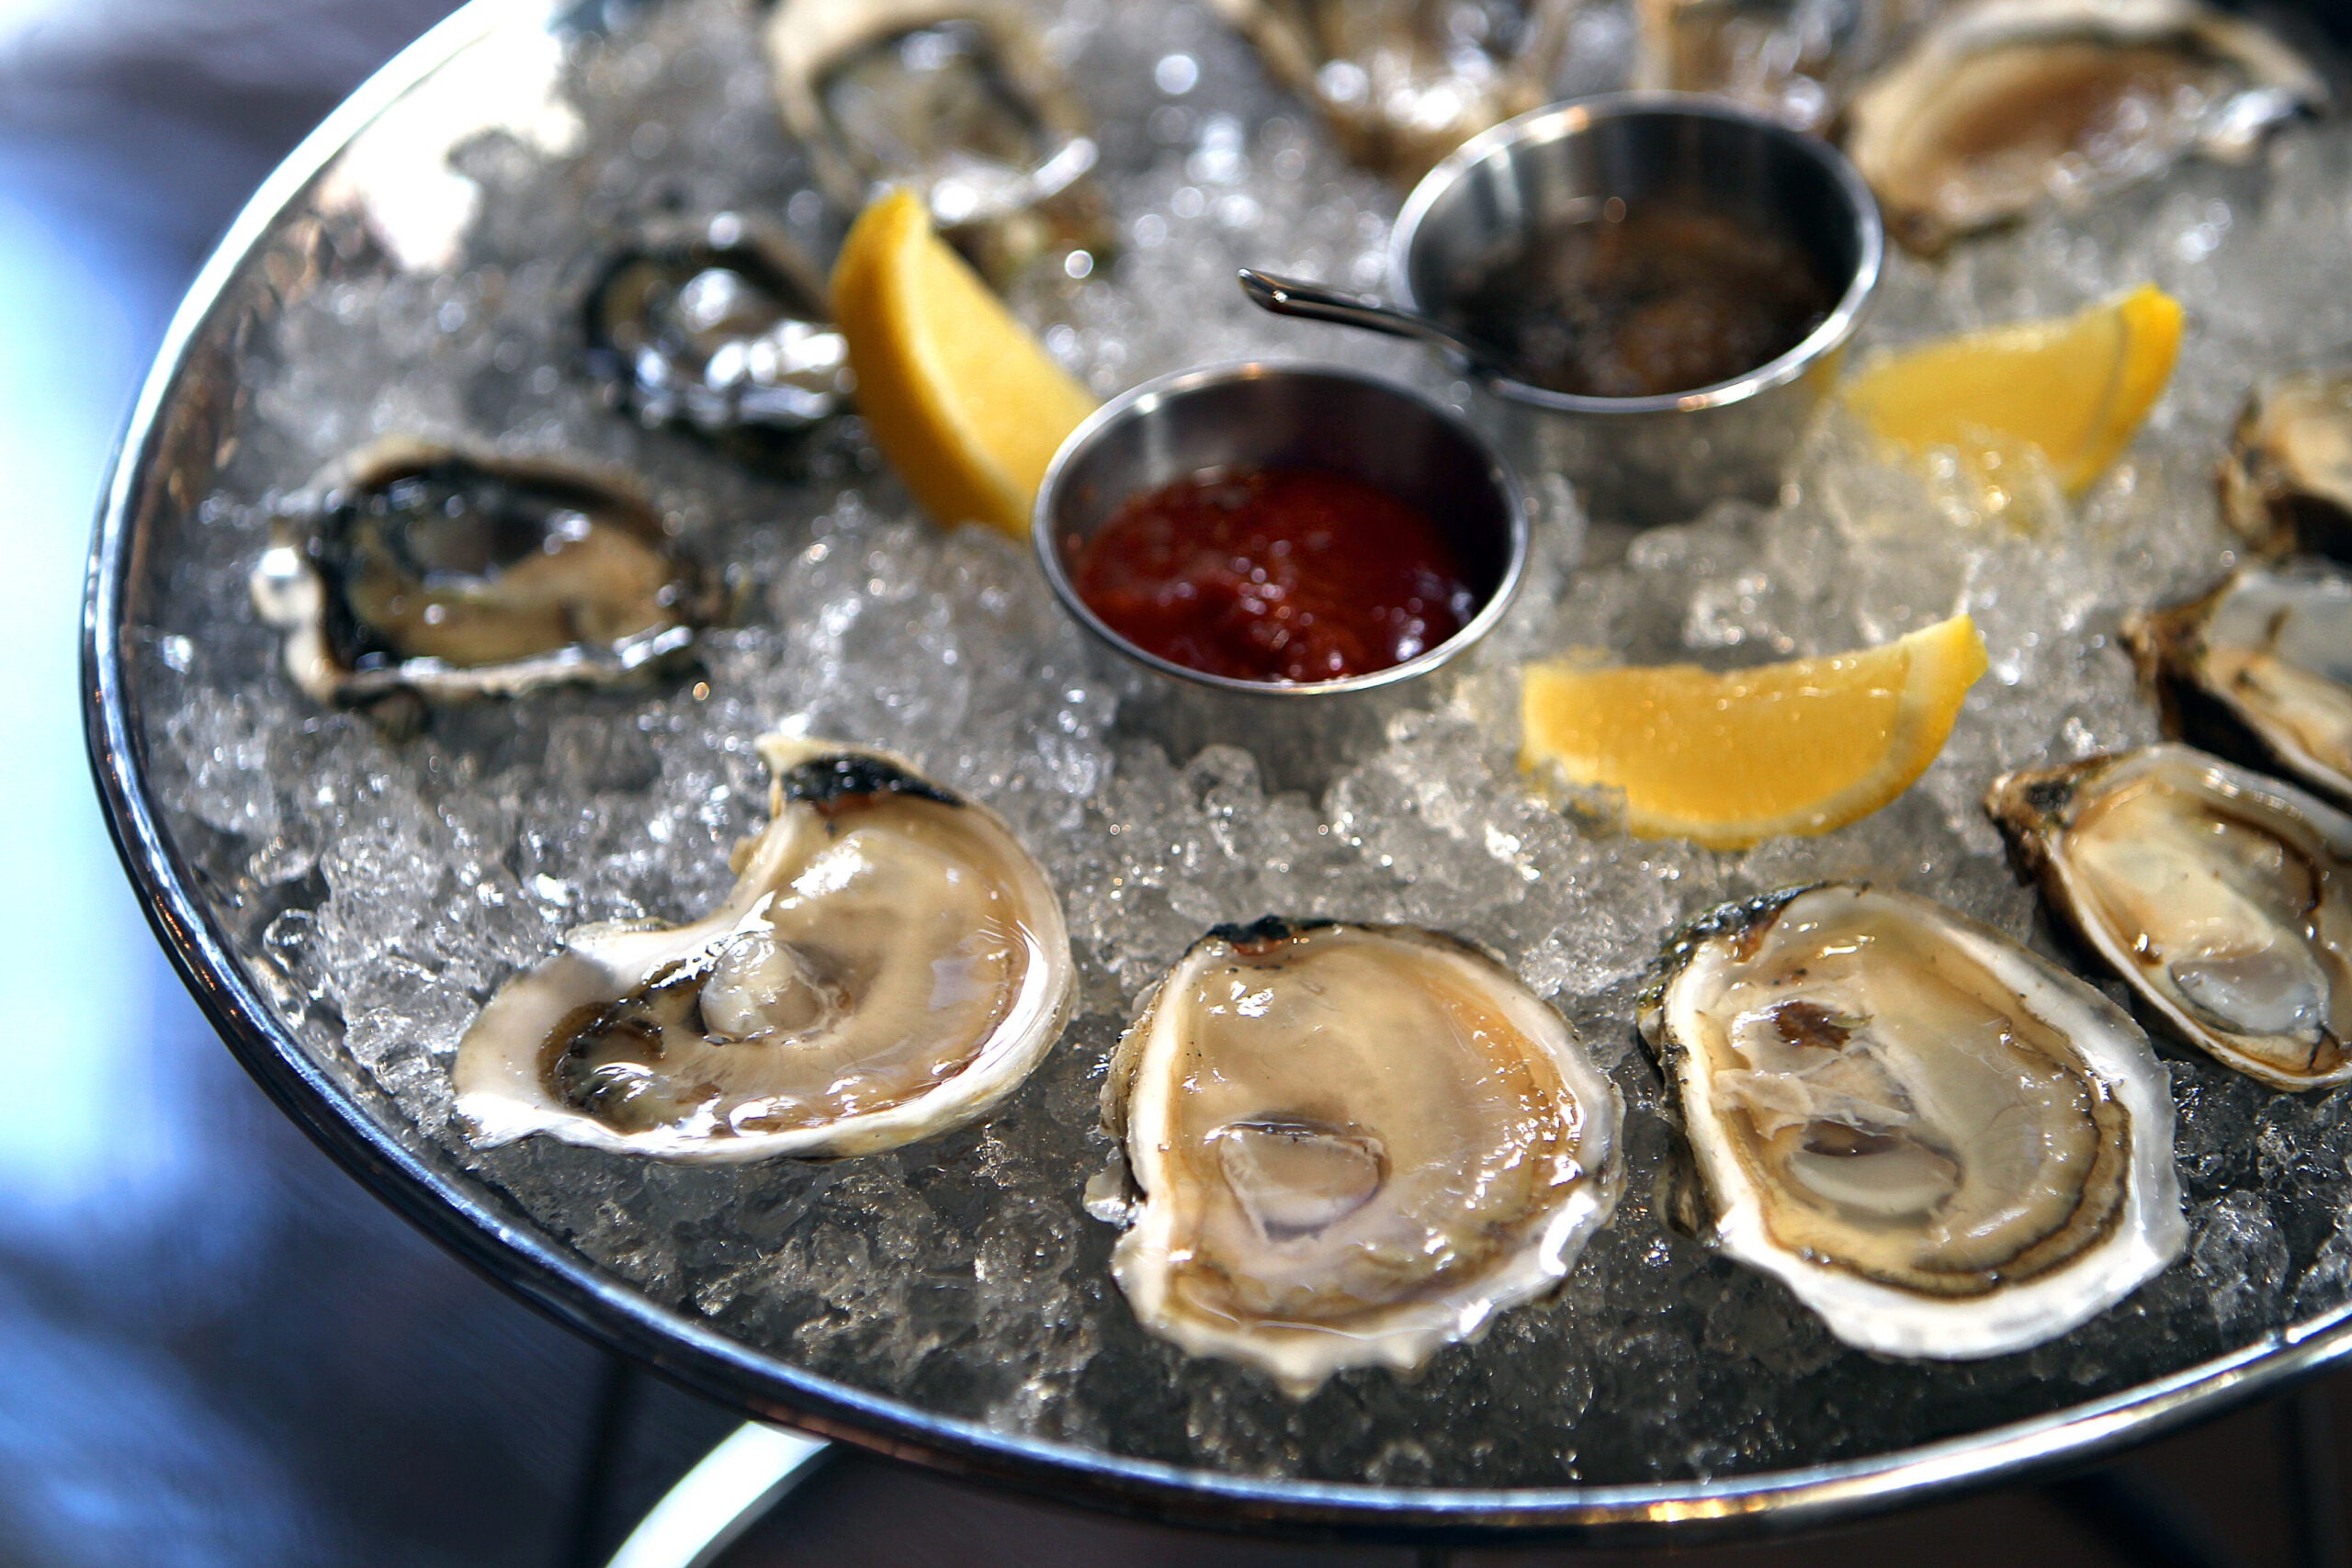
(2221, 898)
(2260, 669)
(2006, 103)
(413, 567)
(1402, 82)
(890, 964)
(1354, 1144)
(722, 330)
(955, 98)
(1940, 1142)
(2287, 482)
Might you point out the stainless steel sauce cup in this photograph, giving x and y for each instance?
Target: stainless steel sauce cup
(1260, 415)
(1651, 458)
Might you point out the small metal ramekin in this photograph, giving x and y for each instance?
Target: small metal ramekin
(1654, 458)
(1261, 415)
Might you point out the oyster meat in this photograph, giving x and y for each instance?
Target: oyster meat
(2221, 898)
(955, 98)
(1354, 1144)
(1402, 82)
(2260, 669)
(418, 567)
(722, 331)
(2287, 482)
(1940, 1142)
(890, 964)
(2005, 103)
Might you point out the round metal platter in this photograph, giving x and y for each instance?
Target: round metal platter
(186, 426)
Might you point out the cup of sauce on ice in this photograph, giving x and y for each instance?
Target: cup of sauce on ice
(1661, 286)
(1264, 546)
(1662, 298)
(1274, 574)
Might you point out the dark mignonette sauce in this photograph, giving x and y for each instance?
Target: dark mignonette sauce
(1644, 300)
(1279, 575)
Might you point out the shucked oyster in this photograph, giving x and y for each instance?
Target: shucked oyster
(955, 98)
(2260, 669)
(722, 331)
(2287, 483)
(2005, 103)
(1354, 1144)
(2221, 898)
(1405, 82)
(426, 569)
(890, 964)
(1937, 1141)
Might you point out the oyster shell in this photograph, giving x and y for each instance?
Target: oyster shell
(413, 567)
(2005, 103)
(721, 330)
(2260, 669)
(2222, 898)
(955, 98)
(2287, 482)
(1936, 1140)
(1354, 1144)
(890, 964)
(1402, 82)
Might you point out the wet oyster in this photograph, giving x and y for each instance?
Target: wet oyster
(2009, 102)
(2221, 898)
(722, 331)
(1354, 1144)
(418, 567)
(2260, 669)
(1936, 1140)
(2287, 483)
(890, 964)
(955, 98)
(1403, 83)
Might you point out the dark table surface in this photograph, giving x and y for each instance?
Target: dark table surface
(215, 1349)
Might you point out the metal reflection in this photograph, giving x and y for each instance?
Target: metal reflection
(725, 1494)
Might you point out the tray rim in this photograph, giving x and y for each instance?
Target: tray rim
(575, 1293)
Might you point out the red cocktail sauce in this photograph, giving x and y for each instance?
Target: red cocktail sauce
(1275, 575)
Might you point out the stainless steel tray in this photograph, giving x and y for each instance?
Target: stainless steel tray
(501, 84)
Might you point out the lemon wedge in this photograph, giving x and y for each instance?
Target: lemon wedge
(1729, 759)
(966, 405)
(2077, 386)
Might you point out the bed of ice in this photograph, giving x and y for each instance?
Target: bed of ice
(380, 889)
